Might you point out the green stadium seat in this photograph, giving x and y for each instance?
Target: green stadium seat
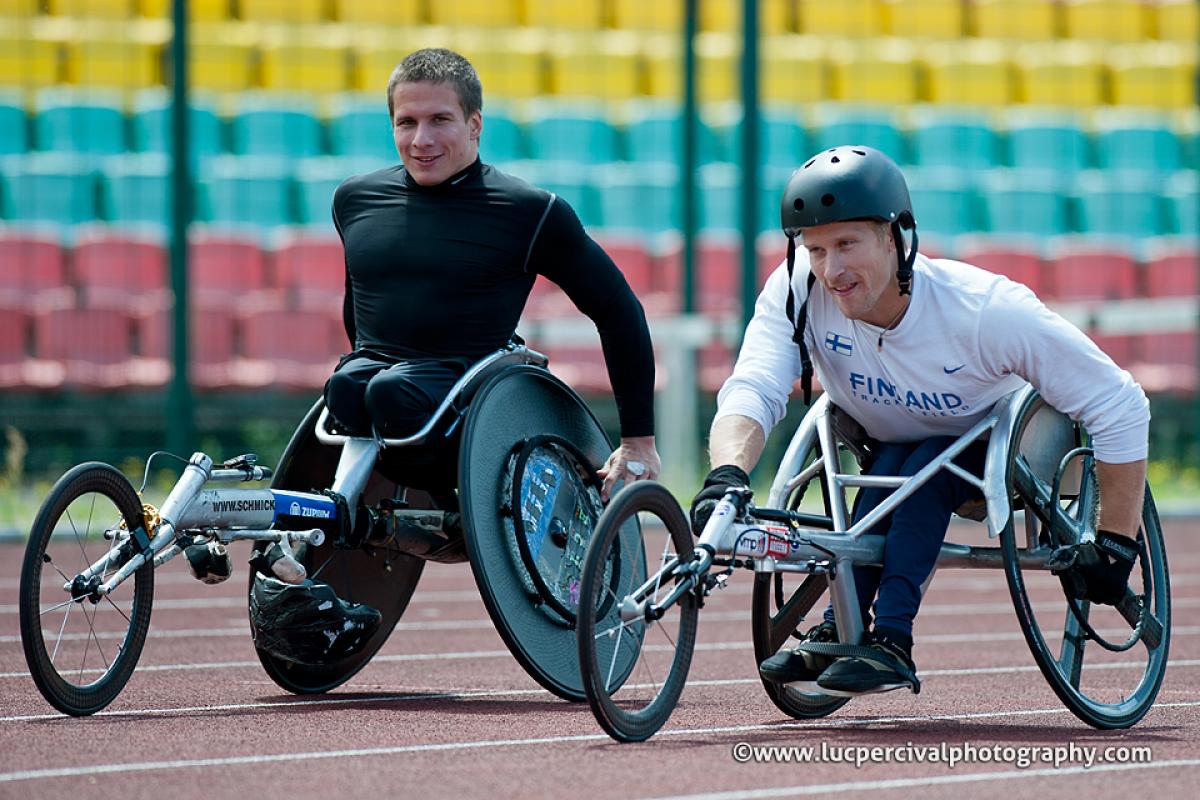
(654, 133)
(318, 178)
(14, 136)
(874, 126)
(949, 137)
(638, 198)
(1139, 141)
(1028, 202)
(265, 126)
(720, 199)
(1047, 140)
(944, 201)
(1183, 209)
(1119, 204)
(578, 132)
(151, 119)
(359, 126)
(58, 188)
(502, 138)
(572, 182)
(81, 122)
(235, 191)
(782, 141)
(136, 189)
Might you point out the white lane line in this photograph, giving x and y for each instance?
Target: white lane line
(147, 766)
(497, 693)
(933, 780)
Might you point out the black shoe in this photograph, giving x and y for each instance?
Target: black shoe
(892, 668)
(789, 666)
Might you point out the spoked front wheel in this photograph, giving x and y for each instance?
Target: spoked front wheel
(81, 647)
(634, 662)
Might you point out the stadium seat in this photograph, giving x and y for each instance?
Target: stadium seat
(1136, 141)
(378, 12)
(873, 125)
(1120, 348)
(476, 13)
(1167, 362)
(847, 18)
(574, 183)
(291, 11)
(605, 65)
(317, 179)
(212, 360)
(1183, 210)
(719, 200)
(1171, 270)
(510, 64)
(126, 54)
(30, 56)
(120, 270)
(223, 56)
(34, 273)
(654, 133)
(944, 201)
(503, 138)
(1028, 202)
(718, 272)
(376, 51)
(635, 262)
(638, 198)
(48, 187)
(359, 126)
(798, 66)
(941, 19)
(953, 137)
(978, 72)
(717, 67)
(14, 345)
(151, 118)
(774, 16)
(1154, 75)
(198, 10)
(291, 348)
(1107, 20)
(579, 366)
(782, 142)
(276, 126)
(99, 9)
(1119, 204)
(874, 71)
(1049, 140)
(79, 121)
(238, 191)
(14, 137)
(93, 346)
(307, 59)
(1085, 271)
(585, 15)
(310, 270)
(1176, 20)
(1016, 260)
(20, 9)
(229, 271)
(1060, 74)
(576, 131)
(1028, 20)
(136, 189)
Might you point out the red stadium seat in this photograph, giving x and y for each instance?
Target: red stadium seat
(1019, 262)
(718, 274)
(229, 271)
(1092, 273)
(14, 333)
(94, 347)
(32, 270)
(580, 367)
(291, 348)
(716, 362)
(1120, 348)
(639, 266)
(1168, 361)
(1173, 273)
(311, 271)
(117, 270)
(211, 340)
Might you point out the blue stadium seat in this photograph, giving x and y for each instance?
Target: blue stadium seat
(318, 178)
(571, 131)
(1183, 207)
(1024, 202)
(136, 189)
(782, 141)
(571, 182)
(654, 133)
(359, 126)
(953, 137)
(945, 203)
(1140, 141)
(875, 126)
(151, 120)
(276, 126)
(1113, 203)
(80, 122)
(57, 188)
(235, 191)
(14, 137)
(638, 198)
(1047, 140)
(720, 199)
(502, 138)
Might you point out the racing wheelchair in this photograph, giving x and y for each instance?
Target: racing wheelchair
(517, 443)
(637, 630)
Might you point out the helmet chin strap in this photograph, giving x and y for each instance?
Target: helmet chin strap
(904, 273)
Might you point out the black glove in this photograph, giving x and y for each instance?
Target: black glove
(716, 484)
(1096, 571)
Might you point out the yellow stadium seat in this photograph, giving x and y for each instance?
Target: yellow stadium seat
(942, 19)
(482, 13)
(795, 69)
(106, 9)
(585, 15)
(1032, 20)
(124, 55)
(1108, 20)
(377, 52)
(717, 67)
(19, 8)
(222, 56)
(974, 72)
(1062, 74)
(29, 57)
(1176, 20)
(1154, 74)
(606, 65)
(774, 16)
(511, 64)
(378, 12)
(873, 70)
(844, 18)
(310, 58)
(639, 15)
(281, 10)
(199, 10)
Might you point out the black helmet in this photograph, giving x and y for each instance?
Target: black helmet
(846, 183)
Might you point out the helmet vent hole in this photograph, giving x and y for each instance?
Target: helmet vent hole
(827, 200)
(835, 160)
(811, 161)
(859, 152)
(798, 204)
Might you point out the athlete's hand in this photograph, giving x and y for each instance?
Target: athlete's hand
(716, 484)
(636, 459)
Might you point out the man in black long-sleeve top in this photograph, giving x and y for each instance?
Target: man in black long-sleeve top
(441, 254)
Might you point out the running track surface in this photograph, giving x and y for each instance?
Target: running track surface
(445, 711)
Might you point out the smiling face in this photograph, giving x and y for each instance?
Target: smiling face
(433, 137)
(856, 263)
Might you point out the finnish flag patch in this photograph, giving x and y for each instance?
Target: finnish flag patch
(842, 345)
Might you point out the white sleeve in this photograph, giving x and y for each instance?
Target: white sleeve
(1020, 335)
(769, 361)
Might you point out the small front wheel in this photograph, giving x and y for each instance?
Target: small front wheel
(82, 647)
(634, 664)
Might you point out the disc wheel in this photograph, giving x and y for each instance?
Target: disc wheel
(1105, 663)
(81, 647)
(633, 670)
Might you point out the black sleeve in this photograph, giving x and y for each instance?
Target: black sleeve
(565, 254)
(348, 297)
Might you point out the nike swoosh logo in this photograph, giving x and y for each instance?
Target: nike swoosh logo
(949, 371)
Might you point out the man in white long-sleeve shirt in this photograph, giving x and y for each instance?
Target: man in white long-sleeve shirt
(916, 350)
